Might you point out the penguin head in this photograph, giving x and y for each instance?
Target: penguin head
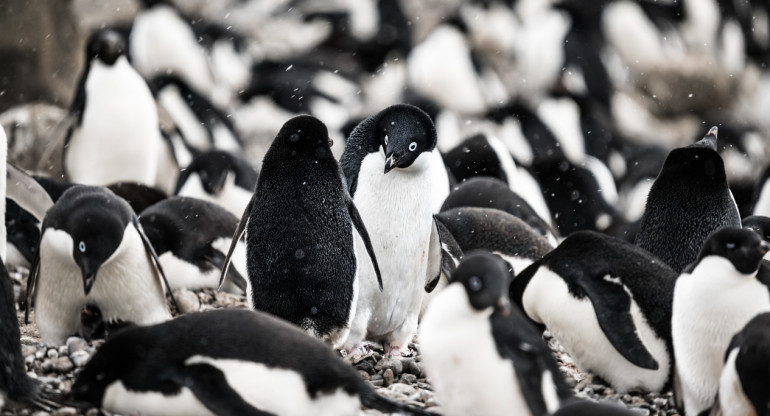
(105, 45)
(700, 160)
(485, 277)
(404, 132)
(304, 135)
(744, 248)
(759, 224)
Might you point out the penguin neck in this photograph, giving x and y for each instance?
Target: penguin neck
(452, 306)
(718, 270)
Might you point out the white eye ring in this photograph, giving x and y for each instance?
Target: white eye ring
(386, 140)
(412, 146)
(82, 247)
(730, 245)
(475, 283)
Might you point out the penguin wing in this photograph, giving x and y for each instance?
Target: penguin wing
(210, 387)
(27, 192)
(34, 274)
(612, 305)
(164, 286)
(444, 254)
(217, 258)
(359, 224)
(236, 237)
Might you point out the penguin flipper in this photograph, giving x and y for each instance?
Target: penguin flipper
(359, 224)
(26, 192)
(612, 305)
(164, 286)
(210, 386)
(34, 274)
(218, 259)
(236, 237)
(441, 239)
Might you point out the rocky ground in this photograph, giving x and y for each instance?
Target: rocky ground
(400, 379)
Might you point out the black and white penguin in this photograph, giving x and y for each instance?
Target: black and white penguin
(191, 238)
(471, 329)
(608, 303)
(221, 177)
(301, 256)
(688, 200)
(224, 362)
(714, 298)
(93, 252)
(398, 181)
(746, 373)
(115, 136)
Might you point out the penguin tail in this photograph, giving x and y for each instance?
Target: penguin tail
(370, 399)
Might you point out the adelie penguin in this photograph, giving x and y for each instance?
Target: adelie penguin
(714, 298)
(225, 362)
(398, 180)
(115, 135)
(688, 200)
(483, 356)
(93, 252)
(608, 303)
(301, 259)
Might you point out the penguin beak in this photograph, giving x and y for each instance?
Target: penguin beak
(331, 142)
(390, 163)
(504, 306)
(89, 276)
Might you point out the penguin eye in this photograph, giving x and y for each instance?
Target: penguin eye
(474, 283)
(730, 246)
(386, 140)
(412, 146)
(82, 246)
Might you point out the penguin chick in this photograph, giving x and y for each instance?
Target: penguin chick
(713, 299)
(470, 329)
(93, 252)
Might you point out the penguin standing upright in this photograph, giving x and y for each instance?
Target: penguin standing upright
(116, 136)
(471, 329)
(93, 252)
(713, 299)
(301, 257)
(688, 200)
(398, 180)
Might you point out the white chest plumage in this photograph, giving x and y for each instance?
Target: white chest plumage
(732, 400)
(232, 197)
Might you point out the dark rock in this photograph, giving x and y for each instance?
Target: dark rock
(407, 378)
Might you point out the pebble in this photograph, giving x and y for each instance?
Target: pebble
(394, 365)
(404, 389)
(407, 378)
(62, 365)
(79, 358)
(52, 353)
(387, 377)
(75, 344)
(187, 300)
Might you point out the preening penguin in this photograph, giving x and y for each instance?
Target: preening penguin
(93, 252)
(224, 362)
(301, 256)
(471, 329)
(714, 298)
(398, 180)
(608, 303)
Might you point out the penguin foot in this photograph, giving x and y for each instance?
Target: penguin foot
(353, 353)
(392, 351)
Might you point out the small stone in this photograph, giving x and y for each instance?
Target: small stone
(52, 353)
(187, 300)
(376, 383)
(46, 366)
(65, 411)
(407, 378)
(76, 344)
(63, 350)
(27, 350)
(29, 359)
(365, 366)
(395, 365)
(387, 377)
(413, 367)
(404, 389)
(597, 388)
(27, 340)
(39, 354)
(79, 358)
(364, 375)
(62, 365)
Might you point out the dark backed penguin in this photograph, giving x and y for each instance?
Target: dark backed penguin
(221, 177)
(299, 225)
(93, 252)
(224, 362)
(398, 180)
(608, 303)
(688, 200)
(471, 329)
(714, 298)
(746, 373)
(191, 238)
(116, 136)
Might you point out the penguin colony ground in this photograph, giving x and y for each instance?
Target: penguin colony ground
(465, 208)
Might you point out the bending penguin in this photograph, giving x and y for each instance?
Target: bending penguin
(224, 362)
(301, 258)
(93, 252)
(398, 181)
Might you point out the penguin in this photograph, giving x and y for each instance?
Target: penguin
(116, 134)
(746, 372)
(224, 362)
(608, 303)
(713, 299)
(221, 177)
(137, 195)
(759, 224)
(397, 179)
(301, 258)
(688, 200)
(191, 238)
(93, 252)
(471, 329)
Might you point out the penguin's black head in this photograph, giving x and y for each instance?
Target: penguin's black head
(304, 134)
(759, 224)
(404, 132)
(485, 277)
(699, 160)
(106, 45)
(743, 247)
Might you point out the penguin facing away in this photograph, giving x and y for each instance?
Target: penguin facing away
(713, 299)
(224, 362)
(301, 257)
(608, 303)
(93, 252)
(116, 136)
(397, 180)
(688, 200)
(471, 329)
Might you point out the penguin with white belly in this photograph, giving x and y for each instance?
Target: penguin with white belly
(608, 303)
(397, 179)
